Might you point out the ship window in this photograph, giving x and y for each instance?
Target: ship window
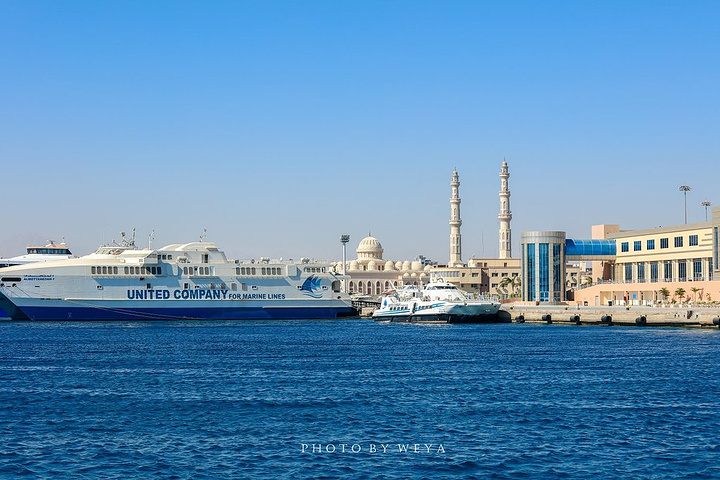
(243, 286)
(262, 270)
(169, 257)
(253, 270)
(159, 270)
(104, 270)
(148, 286)
(115, 270)
(233, 286)
(223, 286)
(254, 287)
(127, 270)
(212, 286)
(92, 270)
(186, 286)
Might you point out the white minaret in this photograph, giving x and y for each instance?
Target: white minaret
(455, 222)
(505, 215)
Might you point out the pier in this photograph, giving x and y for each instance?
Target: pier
(636, 316)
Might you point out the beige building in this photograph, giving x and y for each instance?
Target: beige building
(371, 274)
(680, 261)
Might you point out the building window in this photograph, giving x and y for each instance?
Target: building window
(625, 247)
(682, 270)
(693, 240)
(678, 242)
(664, 243)
(637, 246)
(697, 269)
(651, 244)
(628, 272)
(530, 264)
(641, 272)
(544, 271)
(653, 271)
(558, 278)
(667, 271)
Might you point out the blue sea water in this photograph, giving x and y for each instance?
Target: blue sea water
(352, 398)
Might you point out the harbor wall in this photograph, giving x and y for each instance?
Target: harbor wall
(669, 316)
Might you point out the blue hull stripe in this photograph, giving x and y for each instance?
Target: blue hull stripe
(200, 313)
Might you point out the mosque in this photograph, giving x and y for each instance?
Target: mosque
(370, 274)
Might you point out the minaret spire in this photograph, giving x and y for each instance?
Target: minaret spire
(505, 214)
(455, 222)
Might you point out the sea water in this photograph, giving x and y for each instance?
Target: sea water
(357, 399)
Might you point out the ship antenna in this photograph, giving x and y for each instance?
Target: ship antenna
(151, 237)
(132, 238)
(204, 234)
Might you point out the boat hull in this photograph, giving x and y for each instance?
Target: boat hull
(443, 313)
(71, 310)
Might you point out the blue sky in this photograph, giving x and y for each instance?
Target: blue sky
(279, 125)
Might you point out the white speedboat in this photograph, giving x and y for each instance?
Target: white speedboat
(437, 302)
(37, 253)
(180, 281)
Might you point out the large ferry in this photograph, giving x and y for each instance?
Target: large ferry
(37, 253)
(177, 282)
(438, 301)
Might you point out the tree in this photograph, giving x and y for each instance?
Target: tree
(505, 282)
(680, 293)
(695, 290)
(516, 282)
(665, 293)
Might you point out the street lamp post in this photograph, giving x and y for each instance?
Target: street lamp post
(685, 189)
(706, 204)
(344, 239)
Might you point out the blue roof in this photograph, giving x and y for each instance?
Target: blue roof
(579, 248)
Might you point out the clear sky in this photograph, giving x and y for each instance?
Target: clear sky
(279, 125)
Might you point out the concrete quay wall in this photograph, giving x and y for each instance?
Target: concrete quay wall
(699, 317)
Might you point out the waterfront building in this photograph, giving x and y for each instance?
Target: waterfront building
(640, 267)
(371, 274)
(543, 266)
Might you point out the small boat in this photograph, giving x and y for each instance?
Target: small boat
(36, 253)
(438, 301)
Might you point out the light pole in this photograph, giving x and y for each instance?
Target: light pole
(706, 204)
(344, 239)
(685, 189)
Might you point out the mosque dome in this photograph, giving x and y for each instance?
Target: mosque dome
(398, 265)
(370, 247)
(389, 265)
(416, 265)
(353, 265)
(372, 265)
(406, 265)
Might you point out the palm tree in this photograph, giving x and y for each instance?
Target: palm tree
(665, 293)
(680, 293)
(516, 282)
(695, 290)
(505, 282)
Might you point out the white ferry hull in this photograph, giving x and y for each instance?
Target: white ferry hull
(484, 312)
(78, 309)
(178, 282)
